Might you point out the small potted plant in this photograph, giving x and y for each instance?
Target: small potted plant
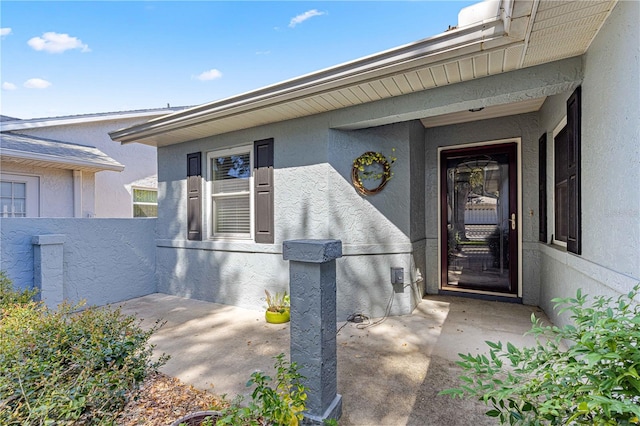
(278, 310)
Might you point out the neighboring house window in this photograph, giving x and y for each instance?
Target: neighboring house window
(13, 199)
(567, 187)
(19, 196)
(145, 202)
(231, 190)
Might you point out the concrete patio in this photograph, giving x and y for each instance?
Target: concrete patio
(388, 374)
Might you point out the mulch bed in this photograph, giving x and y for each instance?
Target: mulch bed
(162, 399)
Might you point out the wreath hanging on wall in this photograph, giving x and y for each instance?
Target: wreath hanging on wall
(371, 166)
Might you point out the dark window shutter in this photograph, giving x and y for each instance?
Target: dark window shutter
(194, 196)
(574, 231)
(263, 186)
(542, 187)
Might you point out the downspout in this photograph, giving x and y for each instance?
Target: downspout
(506, 9)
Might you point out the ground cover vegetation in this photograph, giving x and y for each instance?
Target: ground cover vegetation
(69, 365)
(584, 373)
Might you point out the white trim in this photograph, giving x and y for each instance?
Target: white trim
(551, 175)
(77, 193)
(66, 161)
(38, 123)
(471, 38)
(33, 202)
(518, 142)
(208, 223)
(134, 203)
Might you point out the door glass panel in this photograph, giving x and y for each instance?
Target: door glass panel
(478, 221)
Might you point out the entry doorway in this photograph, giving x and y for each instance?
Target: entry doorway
(479, 219)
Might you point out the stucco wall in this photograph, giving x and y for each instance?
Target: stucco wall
(56, 189)
(113, 189)
(525, 127)
(609, 263)
(104, 260)
(314, 198)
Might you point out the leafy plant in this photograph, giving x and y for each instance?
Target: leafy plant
(278, 302)
(580, 374)
(277, 401)
(9, 296)
(66, 367)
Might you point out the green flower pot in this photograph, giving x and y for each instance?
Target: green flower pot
(277, 317)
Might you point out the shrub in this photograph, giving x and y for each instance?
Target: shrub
(9, 296)
(585, 373)
(277, 402)
(66, 367)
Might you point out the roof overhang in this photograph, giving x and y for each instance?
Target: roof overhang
(16, 124)
(512, 34)
(43, 160)
(33, 151)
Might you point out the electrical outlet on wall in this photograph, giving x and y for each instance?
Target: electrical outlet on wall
(397, 275)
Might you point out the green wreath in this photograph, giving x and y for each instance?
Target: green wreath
(361, 171)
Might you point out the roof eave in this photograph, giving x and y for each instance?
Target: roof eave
(71, 164)
(317, 82)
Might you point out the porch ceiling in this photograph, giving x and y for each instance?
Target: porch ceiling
(522, 33)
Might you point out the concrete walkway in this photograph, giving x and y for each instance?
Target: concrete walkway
(388, 374)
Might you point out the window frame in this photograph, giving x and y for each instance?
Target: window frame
(32, 192)
(134, 203)
(210, 210)
(551, 174)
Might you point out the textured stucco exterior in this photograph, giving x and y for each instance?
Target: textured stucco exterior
(314, 199)
(610, 262)
(56, 192)
(103, 260)
(113, 190)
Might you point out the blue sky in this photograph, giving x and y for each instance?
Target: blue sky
(66, 58)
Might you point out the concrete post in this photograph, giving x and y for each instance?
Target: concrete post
(48, 274)
(312, 284)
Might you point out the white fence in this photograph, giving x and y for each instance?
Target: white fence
(480, 214)
(101, 260)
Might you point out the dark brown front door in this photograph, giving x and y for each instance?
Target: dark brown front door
(479, 214)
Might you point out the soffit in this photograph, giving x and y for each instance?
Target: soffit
(538, 32)
(32, 151)
(485, 113)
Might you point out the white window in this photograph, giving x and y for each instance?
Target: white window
(145, 202)
(559, 200)
(19, 196)
(230, 189)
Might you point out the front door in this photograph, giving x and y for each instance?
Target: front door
(479, 231)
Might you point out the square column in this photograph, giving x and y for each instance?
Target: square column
(312, 287)
(48, 268)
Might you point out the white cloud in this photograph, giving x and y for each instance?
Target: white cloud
(263, 52)
(8, 86)
(36, 83)
(304, 16)
(57, 43)
(212, 74)
(5, 32)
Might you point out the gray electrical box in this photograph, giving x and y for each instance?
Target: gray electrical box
(397, 275)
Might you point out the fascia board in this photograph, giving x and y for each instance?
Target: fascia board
(354, 72)
(53, 159)
(36, 123)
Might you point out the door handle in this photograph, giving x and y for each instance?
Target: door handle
(513, 221)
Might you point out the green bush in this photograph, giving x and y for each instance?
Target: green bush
(9, 296)
(67, 367)
(277, 401)
(581, 374)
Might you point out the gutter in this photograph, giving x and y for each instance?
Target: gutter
(36, 123)
(371, 67)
